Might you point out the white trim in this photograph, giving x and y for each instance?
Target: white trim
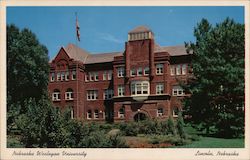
(139, 86)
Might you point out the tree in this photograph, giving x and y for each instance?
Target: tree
(27, 66)
(217, 84)
(27, 71)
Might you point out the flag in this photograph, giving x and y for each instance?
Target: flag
(77, 29)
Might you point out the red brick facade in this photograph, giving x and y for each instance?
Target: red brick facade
(142, 81)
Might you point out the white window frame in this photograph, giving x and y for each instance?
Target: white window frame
(96, 114)
(178, 91)
(58, 76)
(71, 112)
(62, 76)
(120, 90)
(159, 69)
(52, 77)
(56, 96)
(159, 114)
(178, 69)
(92, 95)
(73, 75)
(89, 114)
(145, 70)
(104, 75)
(139, 71)
(108, 94)
(120, 72)
(96, 76)
(86, 77)
(91, 76)
(133, 72)
(110, 73)
(159, 88)
(69, 95)
(120, 114)
(174, 114)
(67, 76)
(172, 70)
(184, 69)
(142, 86)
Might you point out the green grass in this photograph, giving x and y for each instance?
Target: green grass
(210, 142)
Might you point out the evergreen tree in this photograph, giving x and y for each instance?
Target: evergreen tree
(217, 84)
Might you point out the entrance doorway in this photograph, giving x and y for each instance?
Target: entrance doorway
(140, 117)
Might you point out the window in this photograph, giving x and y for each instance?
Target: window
(178, 69)
(159, 69)
(159, 112)
(110, 75)
(86, 77)
(73, 76)
(177, 91)
(132, 72)
(139, 71)
(67, 76)
(96, 114)
(52, 77)
(58, 76)
(71, 112)
(62, 76)
(120, 72)
(159, 88)
(184, 69)
(89, 114)
(69, 94)
(175, 112)
(108, 94)
(146, 71)
(107, 75)
(91, 76)
(172, 70)
(96, 76)
(121, 90)
(121, 112)
(104, 76)
(92, 95)
(140, 88)
(56, 95)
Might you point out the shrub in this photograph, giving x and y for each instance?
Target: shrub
(129, 129)
(170, 126)
(180, 126)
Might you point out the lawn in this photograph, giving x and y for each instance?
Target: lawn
(211, 142)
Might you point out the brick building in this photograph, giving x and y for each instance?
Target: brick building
(141, 81)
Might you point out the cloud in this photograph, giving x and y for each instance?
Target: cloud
(109, 37)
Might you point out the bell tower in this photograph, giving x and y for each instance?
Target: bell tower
(139, 51)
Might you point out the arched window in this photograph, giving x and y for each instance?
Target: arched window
(121, 112)
(69, 94)
(56, 95)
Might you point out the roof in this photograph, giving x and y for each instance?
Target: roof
(76, 53)
(179, 50)
(102, 57)
(140, 29)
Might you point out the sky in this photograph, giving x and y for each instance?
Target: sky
(105, 29)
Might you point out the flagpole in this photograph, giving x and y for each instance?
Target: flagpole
(77, 39)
